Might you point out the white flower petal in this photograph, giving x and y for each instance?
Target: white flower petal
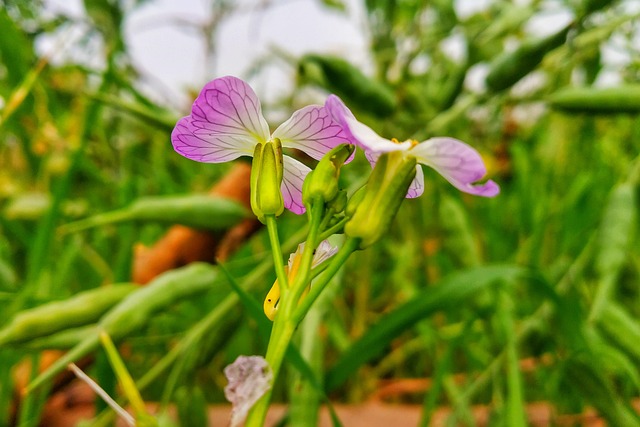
(358, 133)
(193, 142)
(229, 106)
(293, 177)
(417, 185)
(457, 162)
(311, 130)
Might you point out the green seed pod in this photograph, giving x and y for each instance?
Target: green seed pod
(510, 67)
(197, 211)
(138, 308)
(385, 191)
(81, 309)
(621, 99)
(62, 340)
(347, 81)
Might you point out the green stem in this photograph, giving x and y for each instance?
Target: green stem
(334, 230)
(350, 246)
(281, 334)
(276, 249)
(301, 281)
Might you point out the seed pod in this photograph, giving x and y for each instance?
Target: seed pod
(197, 211)
(81, 309)
(137, 309)
(347, 81)
(621, 99)
(510, 67)
(61, 340)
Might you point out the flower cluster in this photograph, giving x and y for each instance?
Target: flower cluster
(226, 122)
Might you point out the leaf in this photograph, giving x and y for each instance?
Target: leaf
(450, 292)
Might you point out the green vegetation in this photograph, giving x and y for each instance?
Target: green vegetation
(530, 296)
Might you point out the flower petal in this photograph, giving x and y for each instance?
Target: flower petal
(323, 252)
(249, 377)
(228, 106)
(292, 180)
(189, 140)
(417, 185)
(311, 130)
(457, 162)
(359, 133)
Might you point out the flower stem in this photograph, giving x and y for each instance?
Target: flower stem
(276, 249)
(301, 280)
(279, 341)
(283, 327)
(350, 246)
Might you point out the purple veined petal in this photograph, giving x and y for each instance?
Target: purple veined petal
(417, 185)
(457, 162)
(358, 133)
(189, 141)
(311, 130)
(229, 106)
(292, 180)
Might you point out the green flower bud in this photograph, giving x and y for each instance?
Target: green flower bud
(339, 202)
(266, 179)
(354, 201)
(322, 183)
(386, 189)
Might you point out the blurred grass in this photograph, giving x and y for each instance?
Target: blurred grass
(462, 289)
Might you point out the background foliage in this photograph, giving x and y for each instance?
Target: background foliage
(531, 296)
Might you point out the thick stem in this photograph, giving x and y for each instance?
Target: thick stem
(281, 335)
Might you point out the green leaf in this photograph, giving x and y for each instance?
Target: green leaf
(450, 292)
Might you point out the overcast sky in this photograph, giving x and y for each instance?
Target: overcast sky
(172, 59)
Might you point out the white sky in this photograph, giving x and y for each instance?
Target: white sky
(172, 59)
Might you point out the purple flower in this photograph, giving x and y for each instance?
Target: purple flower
(226, 122)
(457, 162)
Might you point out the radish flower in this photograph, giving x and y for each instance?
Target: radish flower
(456, 161)
(226, 122)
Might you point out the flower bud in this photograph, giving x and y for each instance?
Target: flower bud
(339, 202)
(385, 191)
(322, 182)
(266, 179)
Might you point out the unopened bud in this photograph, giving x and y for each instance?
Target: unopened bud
(386, 189)
(322, 183)
(266, 179)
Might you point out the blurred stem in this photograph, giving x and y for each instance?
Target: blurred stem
(515, 415)
(125, 380)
